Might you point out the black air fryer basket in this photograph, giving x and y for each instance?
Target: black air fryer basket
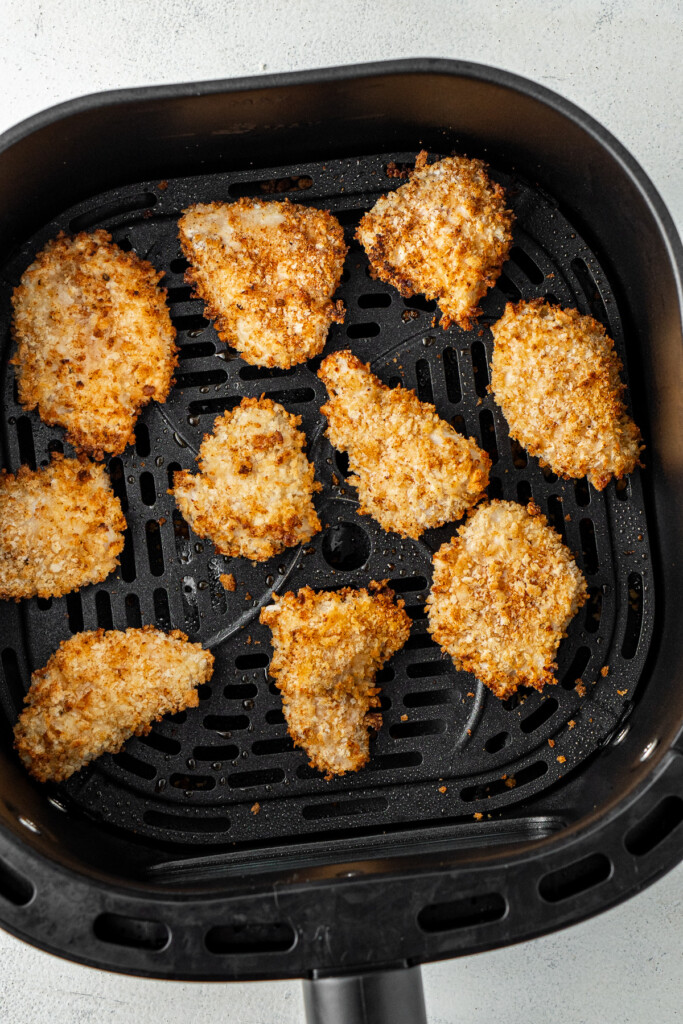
(209, 849)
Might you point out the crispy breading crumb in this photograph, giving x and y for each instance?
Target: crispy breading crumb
(253, 494)
(561, 759)
(443, 789)
(404, 718)
(571, 723)
(478, 815)
(511, 782)
(446, 234)
(604, 671)
(622, 693)
(255, 808)
(228, 581)
(61, 527)
(580, 688)
(328, 647)
(551, 743)
(267, 272)
(99, 689)
(503, 593)
(470, 694)
(555, 375)
(95, 340)
(413, 470)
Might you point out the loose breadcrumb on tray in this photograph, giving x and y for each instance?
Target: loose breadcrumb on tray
(228, 581)
(267, 272)
(95, 342)
(446, 234)
(99, 689)
(328, 647)
(556, 376)
(253, 494)
(412, 470)
(503, 593)
(61, 527)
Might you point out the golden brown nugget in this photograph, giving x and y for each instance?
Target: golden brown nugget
(412, 470)
(95, 340)
(555, 375)
(99, 689)
(61, 527)
(267, 272)
(254, 493)
(328, 648)
(446, 234)
(504, 591)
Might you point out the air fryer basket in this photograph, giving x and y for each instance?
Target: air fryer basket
(209, 849)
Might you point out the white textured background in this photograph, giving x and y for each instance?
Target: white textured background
(621, 61)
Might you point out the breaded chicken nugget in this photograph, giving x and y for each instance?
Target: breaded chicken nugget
(413, 471)
(267, 272)
(60, 528)
(95, 340)
(555, 375)
(253, 494)
(99, 689)
(328, 648)
(446, 233)
(504, 591)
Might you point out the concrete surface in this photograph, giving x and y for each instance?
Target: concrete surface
(621, 61)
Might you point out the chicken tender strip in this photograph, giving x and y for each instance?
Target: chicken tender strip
(413, 471)
(253, 494)
(61, 527)
(267, 272)
(99, 689)
(446, 234)
(328, 647)
(504, 591)
(95, 340)
(555, 375)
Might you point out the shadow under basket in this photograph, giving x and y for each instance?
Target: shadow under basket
(210, 849)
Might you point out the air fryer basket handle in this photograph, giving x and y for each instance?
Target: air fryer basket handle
(377, 997)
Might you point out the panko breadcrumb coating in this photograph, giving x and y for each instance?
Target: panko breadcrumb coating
(267, 272)
(413, 471)
(253, 494)
(555, 375)
(328, 647)
(60, 528)
(95, 340)
(446, 233)
(504, 591)
(99, 689)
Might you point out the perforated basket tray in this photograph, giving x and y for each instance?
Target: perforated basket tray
(220, 787)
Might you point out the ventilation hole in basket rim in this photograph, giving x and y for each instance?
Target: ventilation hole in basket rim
(496, 786)
(147, 489)
(27, 451)
(127, 557)
(133, 613)
(421, 303)
(467, 912)
(573, 674)
(180, 293)
(589, 548)
(365, 330)
(216, 752)
(12, 674)
(249, 372)
(452, 375)
(488, 435)
(343, 808)
(275, 716)
(142, 444)
(44, 603)
(526, 264)
(593, 609)
(426, 669)
(431, 727)
(192, 783)
(105, 211)
(480, 369)
(420, 642)
(458, 423)
(374, 300)
(103, 610)
(14, 887)
(255, 659)
(427, 698)
(582, 492)
(155, 551)
(200, 378)
(247, 780)
(519, 456)
(623, 488)
(188, 592)
(510, 291)
(497, 742)
(240, 691)
(392, 762)
(277, 745)
(164, 744)
(596, 306)
(655, 827)
(134, 765)
(556, 516)
(133, 932)
(523, 492)
(226, 723)
(270, 186)
(193, 323)
(74, 611)
(575, 878)
(54, 445)
(346, 546)
(250, 937)
(162, 612)
(537, 718)
(425, 392)
(197, 350)
(495, 489)
(634, 616)
(118, 481)
(183, 823)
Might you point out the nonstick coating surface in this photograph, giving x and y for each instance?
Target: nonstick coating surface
(196, 778)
